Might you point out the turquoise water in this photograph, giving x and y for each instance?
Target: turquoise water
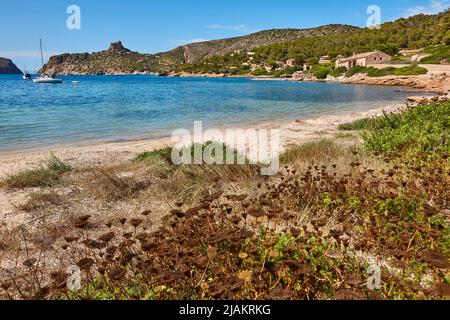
(113, 108)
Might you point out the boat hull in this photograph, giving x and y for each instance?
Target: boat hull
(47, 81)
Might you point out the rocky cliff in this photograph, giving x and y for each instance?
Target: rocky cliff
(8, 67)
(115, 60)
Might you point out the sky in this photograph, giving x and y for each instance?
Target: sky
(150, 26)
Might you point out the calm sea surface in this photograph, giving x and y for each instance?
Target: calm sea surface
(113, 108)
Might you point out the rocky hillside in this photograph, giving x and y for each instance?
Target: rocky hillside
(119, 60)
(8, 67)
(196, 51)
(115, 60)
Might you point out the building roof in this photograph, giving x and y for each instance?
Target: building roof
(362, 56)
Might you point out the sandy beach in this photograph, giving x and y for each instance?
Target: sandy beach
(107, 154)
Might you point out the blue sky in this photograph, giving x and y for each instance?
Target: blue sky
(154, 26)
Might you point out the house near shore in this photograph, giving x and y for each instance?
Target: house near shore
(281, 65)
(292, 63)
(325, 60)
(364, 60)
(307, 66)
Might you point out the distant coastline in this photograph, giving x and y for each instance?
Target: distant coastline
(436, 81)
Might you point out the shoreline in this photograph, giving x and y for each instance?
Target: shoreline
(112, 153)
(437, 80)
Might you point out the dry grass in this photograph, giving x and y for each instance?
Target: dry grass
(116, 183)
(41, 199)
(46, 175)
(189, 183)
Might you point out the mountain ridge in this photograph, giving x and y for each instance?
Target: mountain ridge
(7, 66)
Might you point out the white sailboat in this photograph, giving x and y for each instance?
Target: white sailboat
(45, 78)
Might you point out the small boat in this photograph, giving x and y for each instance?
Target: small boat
(44, 78)
(47, 79)
(26, 76)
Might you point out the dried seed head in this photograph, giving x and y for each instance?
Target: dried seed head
(136, 222)
(85, 264)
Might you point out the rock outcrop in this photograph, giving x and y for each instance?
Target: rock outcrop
(115, 60)
(8, 67)
(117, 47)
(415, 100)
(430, 82)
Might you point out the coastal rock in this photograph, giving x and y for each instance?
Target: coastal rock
(117, 47)
(424, 99)
(302, 76)
(115, 60)
(8, 67)
(439, 83)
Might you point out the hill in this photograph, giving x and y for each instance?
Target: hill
(415, 32)
(8, 67)
(117, 59)
(230, 56)
(196, 51)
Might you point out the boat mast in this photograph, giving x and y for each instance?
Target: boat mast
(42, 56)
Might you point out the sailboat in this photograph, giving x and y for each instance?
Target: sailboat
(45, 78)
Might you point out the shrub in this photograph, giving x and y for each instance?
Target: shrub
(374, 72)
(425, 128)
(337, 72)
(260, 72)
(356, 125)
(437, 54)
(356, 70)
(164, 153)
(410, 70)
(320, 71)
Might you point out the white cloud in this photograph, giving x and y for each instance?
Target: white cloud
(236, 28)
(187, 41)
(434, 7)
(27, 54)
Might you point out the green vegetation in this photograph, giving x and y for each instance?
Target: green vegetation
(164, 153)
(320, 71)
(209, 148)
(338, 72)
(425, 128)
(437, 54)
(355, 70)
(409, 71)
(389, 71)
(415, 32)
(46, 175)
(357, 125)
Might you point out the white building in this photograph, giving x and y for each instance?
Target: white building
(364, 59)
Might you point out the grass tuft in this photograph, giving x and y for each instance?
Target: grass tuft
(46, 175)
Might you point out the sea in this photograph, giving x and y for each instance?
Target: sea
(94, 109)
